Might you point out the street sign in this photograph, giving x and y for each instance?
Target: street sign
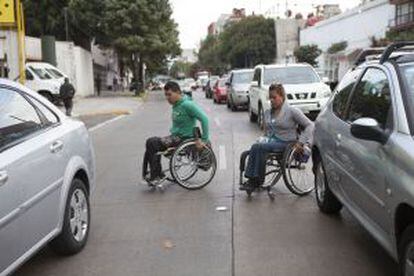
(7, 14)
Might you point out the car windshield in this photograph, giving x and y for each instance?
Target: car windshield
(290, 75)
(222, 83)
(408, 75)
(41, 73)
(54, 73)
(245, 77)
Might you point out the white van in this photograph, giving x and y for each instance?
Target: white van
(45, 79)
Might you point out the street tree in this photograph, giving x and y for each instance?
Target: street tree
(209, 55)
(143, 31)
(249, 42)
(308, 54)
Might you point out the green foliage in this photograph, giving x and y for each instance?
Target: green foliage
(180, 67)
(407, 35)
(337, 47)
(209, 55)
(249, 42)
(308, 54)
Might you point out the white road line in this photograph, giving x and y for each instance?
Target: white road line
(98, 126)
(217, 120)
(222, 158)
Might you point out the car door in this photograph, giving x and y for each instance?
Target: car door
(331, 127)
(365, 162)
(255, 90)
(30, 166)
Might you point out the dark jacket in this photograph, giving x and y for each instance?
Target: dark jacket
(67, 91)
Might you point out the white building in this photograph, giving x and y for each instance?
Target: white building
(74, 61)
(287, 38)
(356, 26)
(188, 55)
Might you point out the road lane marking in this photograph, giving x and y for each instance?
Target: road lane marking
(98, 126)
(217, 121)
(222, 158)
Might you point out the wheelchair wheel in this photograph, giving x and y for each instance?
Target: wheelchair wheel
(193, 169)
(273, 172)
(297, 174)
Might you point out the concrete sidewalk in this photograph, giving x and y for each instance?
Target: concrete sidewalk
(109, 103)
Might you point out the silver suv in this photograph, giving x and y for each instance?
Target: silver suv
(363, 154)
(238, 87)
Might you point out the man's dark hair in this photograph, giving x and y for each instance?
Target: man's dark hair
(173, 86)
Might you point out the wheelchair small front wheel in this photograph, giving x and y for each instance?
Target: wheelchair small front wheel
(297, 174)
(192, 168)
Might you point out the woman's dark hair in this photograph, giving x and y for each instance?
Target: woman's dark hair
(277, 88)
(173, 86)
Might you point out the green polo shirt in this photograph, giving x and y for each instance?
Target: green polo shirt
(185, 114)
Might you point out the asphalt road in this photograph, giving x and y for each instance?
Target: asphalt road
(136, 231)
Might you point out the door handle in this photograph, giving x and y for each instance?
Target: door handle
(3, 177)
(56, 146)
(338, 139)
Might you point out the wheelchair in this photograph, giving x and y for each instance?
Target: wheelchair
(185, 165)
(291, 164)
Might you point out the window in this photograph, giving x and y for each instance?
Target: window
(41, 73)
(54, 73)
(290, 75)
(29, 75)
(49, 116)
(244, 77)
(372, 99)
(343, 90)
(18, 118)
(257, 75)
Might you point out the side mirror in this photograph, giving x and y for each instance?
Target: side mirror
(29, 77)
(254, 83)
(368, 129)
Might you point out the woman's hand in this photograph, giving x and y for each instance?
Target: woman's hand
(199, 144)
(298, 147)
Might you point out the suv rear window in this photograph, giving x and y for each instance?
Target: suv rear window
(290, 75)
(408, 76)
(245, 77)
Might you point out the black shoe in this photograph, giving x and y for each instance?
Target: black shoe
(249, 185)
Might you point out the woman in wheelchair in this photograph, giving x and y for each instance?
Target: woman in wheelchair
(281, 125)
(185, 114)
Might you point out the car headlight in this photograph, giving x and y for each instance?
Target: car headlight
(326, 93)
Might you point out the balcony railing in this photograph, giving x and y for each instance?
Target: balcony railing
(402, 21)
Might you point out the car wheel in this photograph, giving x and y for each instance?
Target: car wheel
(76, 221)
(326, 200)
(406, 251)
(228, 104)
(260, 120)
(252, 116)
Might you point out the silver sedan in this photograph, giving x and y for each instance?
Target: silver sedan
(47, 173)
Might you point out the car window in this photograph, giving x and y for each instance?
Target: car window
(54, 73)
(343, 91)
(18, 118)
(257, 74)
(41, 73)
(372, 99)
(408, 76)
(50, 117)
(244, 77)
(290, 75)
(29, 75)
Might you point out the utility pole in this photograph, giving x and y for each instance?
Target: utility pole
(65, 11)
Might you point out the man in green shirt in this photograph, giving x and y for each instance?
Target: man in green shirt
(185, 114)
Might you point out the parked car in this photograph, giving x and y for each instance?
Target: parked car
(185, 86)
(304, 89)
(238, 88)
(220, 91)
(45, 79)
(47, 174)
(363, 153)
(209, 87)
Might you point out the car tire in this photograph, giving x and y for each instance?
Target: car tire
(326, 200)
(406, 251)
(76, 222)
(260, 120)
(228, 104)
(252, 116)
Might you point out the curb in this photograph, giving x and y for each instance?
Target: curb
(116, 112)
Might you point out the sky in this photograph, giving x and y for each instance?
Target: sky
(194, 16)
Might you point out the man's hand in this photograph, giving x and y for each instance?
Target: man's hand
(199, 144)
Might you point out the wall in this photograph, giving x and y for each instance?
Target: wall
(287, 38)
